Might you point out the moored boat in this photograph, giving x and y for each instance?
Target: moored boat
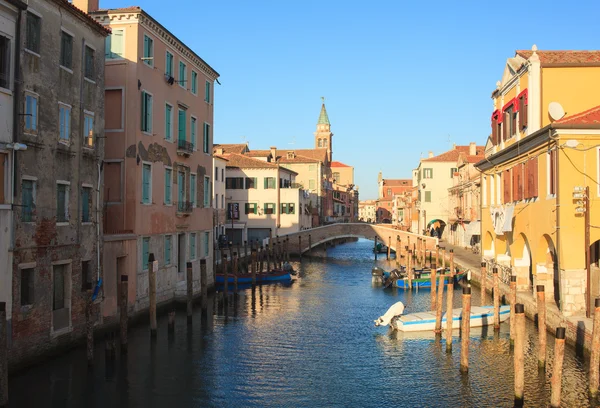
(423, 321)
(273, 276)
(421, 277)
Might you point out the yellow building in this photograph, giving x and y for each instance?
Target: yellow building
(543, 149)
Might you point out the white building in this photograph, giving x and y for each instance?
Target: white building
(367, 210)
(218, 193)
(263, 200)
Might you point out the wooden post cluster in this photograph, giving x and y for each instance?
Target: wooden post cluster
(541, 306)
(440, 303)
(309, 243)
(190, 291)
(124, 317)
(449, 301)
(268, 250)
(152, 293)
(253, 266)
(203, 279)
(512, 301)
(409, 267)
(246, 260)
(89, 324)
(483, 281)
(496, 300)
(519, 354)
(262, 259)
(595, 357)
(433, 275)
(235, 271)
(465, 329)
(171, 321)
(559, 354)
(225, 273)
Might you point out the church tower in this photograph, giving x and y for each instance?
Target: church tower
(323, 135)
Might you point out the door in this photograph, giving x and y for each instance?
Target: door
(181, 253)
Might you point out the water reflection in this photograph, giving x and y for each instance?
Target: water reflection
(311, 343)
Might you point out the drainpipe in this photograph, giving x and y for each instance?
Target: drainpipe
(98, 217)
(556, 173)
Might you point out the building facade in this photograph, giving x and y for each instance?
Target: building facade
(219, 196)
(538, 164)
(57, 198)
(387, 190)
(367, 211)
(158, 166)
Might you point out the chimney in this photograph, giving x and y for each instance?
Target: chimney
(430, 154)
(219, 150)
(87, 5)
(472, 149)
(273, 153)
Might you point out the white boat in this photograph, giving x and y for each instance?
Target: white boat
(422, 321)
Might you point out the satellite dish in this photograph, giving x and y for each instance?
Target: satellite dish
(556, 111)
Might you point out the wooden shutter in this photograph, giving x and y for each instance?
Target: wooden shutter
(506, 180)
(515, 185)
(505, 127)
(526, 182)
(494, 130)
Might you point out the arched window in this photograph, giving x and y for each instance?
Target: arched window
(324, 142)
(320, 142)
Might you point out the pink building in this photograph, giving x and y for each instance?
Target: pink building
(158, 157)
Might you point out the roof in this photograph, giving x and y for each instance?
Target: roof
(397, 182)
(317, 155)
(452, 155)
(590, 116)
(105, 31)
(338, 164)
(244, 162)
(230, 148)
(472, 159)
(323, 118)
(569, 57)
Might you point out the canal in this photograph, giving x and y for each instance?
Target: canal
(308, 344)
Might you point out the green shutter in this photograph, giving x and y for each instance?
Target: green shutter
(146, 173)
(206, 243)
(180, 187)
(167, 249)
(142, 110)
(193, 246)
(193, 132)
(168, 122)
(27, 200)
(181, 125)
(148, 113)
(193, 189)
(168, 186)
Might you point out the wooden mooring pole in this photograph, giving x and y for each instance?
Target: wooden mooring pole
(512, 300)
(190, 292)
(300, 247)
(253, 263)
(262, 259)
(409, 267)
(309, 243)
(225, 274)
(124, 319)
(465, 329)
(89, 324)
(595, 357)
(235, 272)
(519, 354)
(171, 321)
(389, 249)
(483, 281)
(449, 302)
(496, 300)
(152, 293)
(440, 303)
(375, 247)
(433, 275)
(541, 306)
(559, 354)
(203, 279)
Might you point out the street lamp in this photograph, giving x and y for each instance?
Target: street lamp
(16, 146)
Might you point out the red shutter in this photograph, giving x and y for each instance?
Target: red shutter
(494, 131)
(505, 126)
(506, 179)
(526, 183)
(534, 178)
(515, 183)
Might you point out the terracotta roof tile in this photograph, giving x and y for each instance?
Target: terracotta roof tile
(338, 164)
(564, 57)
(397, 182)
(315, 154)
(452, 155)
(590, 116)
(91, 21)
(230, 148)
(244, 162)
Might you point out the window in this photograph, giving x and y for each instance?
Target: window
(250, 182)
(506, 180)
(88, 130)
(113, 45)
(233, 211)
(62, 202)
(148, 51)
(90, 71)
(320, 143)
(206, 243)
(324, 142)
(4, 62)
(223, 201)
(551, 157)
(250, 208)
(287, 208)
(86, 275)
(31, 113)
(311, 184)
(427, 196)
(58, 299)
(206, 138)
(510, 123)
(147, 183)
(182, 74)
(336, 177)
(216, 205)
(234, 183)
(193, 245)
(216, 174)
(66, 50)
(222, 174)
(168, 183)
(27, 200)
(64, 114)
(181, 125)
(193, 190)
(389, 192)
(167, 249)
(312, 167)
(206, 191)
(269, 208)
(169, 65)
(193, 132)
(194, 82)
(168, 122)
(27, 285)
(34, 26)
(145, 253)
(86, 204)
(427, 173)
(207, 92)
(452, 171)
(146, 112)
(523, 109)
(269, 183)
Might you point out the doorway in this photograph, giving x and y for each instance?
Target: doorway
(181, 253)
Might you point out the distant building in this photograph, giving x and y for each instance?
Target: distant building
(387, 189)
(219, 196)
(367, 211)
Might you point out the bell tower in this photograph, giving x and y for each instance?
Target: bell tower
(323, 135)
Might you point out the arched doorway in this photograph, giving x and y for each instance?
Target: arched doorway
(489, 248)
(435, 228)
(523, 264)
(547, 262)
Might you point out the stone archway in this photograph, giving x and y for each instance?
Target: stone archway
(488, 246)
(547, 270)
(522, 262)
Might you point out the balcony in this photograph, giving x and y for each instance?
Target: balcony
(185, 208)
(184, 148)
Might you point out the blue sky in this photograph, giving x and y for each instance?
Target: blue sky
(400, 78)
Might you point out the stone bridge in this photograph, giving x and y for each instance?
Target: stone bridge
(299, 241)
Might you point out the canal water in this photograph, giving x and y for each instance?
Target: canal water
(309, 344)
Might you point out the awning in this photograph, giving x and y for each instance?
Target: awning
(508, 215)
(435, 224)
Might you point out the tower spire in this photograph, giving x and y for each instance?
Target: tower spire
(323, 118)
(323, 135)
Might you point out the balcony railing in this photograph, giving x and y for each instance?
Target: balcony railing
(185, 207)
(185, 147)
